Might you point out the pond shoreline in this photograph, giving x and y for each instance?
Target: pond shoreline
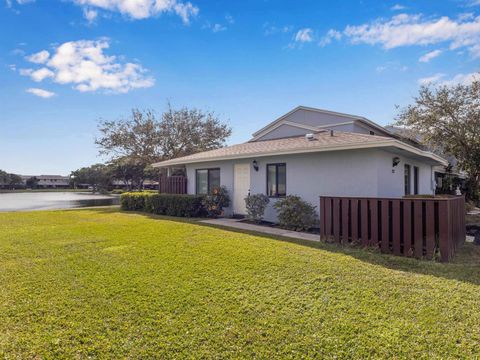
(53, 200)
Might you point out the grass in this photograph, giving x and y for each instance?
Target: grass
(107, 284)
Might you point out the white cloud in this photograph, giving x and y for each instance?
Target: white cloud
(17, 52)
(229, 19)
(463, 79)
(439, 79)
(398, 7)
(431, 79)
(26, 72)
(40, 92)
(475, 51)
(142, 9)
(84, 65)
(409, 30)
(41, 74)
(404, 30)
(39, 58)
(391, 66)
(304, 35)
(90, 14)
(214, 27)
(270, 29)
(185, 10)
(331, 35)
(429, 56)
(20, 2)
(218, 28)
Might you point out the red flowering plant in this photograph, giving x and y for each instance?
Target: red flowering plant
(216, 201)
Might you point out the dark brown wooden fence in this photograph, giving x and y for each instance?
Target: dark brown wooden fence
(173, 185)
(418, 227)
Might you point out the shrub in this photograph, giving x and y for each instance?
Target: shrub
(256, 205)
(215, 202)
(295, 214)
(133, 201)
(175, 205)
(163, 204)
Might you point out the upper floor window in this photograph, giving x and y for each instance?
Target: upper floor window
(276, 180)
(372, 133)
(207, 180)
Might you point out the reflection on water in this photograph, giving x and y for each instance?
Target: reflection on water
(53, 200)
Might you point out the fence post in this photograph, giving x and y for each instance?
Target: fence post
(364, 221)
(385, 244)
(407, 228)
(322, 218)
(418, 228)
(336, 219)
(430, 228)
(396, 227)
(444, 229)
(354, 213)
(345, 220)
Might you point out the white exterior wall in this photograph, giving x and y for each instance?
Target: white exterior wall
(363, 172)
(393, 182)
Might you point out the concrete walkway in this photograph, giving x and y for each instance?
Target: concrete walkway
(238, 224)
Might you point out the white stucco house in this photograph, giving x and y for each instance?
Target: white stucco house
(311, 152)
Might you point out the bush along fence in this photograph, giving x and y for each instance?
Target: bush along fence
(419, 227)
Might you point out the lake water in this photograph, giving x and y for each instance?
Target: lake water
(53, 200)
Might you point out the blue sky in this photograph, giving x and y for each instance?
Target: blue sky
(66, 64)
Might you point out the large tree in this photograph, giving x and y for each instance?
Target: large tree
(32, 182)
(448, 119)
(10, 181)
(15, 180)
(188, 131)
(98, 176)
(4, 177)
(145, 138)
(131, 172)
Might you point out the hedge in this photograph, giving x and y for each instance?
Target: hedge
(133, 201)
(164, 204)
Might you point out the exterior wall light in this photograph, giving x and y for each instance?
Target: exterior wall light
(395, 161)
(255, 165)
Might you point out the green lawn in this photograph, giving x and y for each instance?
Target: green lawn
(106, 284)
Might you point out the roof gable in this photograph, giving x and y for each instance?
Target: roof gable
(315, 119)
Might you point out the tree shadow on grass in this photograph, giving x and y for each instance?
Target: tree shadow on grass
(465, 267)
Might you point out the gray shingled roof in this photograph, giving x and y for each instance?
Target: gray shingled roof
(323, 141)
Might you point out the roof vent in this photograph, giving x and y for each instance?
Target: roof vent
(309, 137)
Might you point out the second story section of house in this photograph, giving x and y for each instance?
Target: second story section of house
(304, 120)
